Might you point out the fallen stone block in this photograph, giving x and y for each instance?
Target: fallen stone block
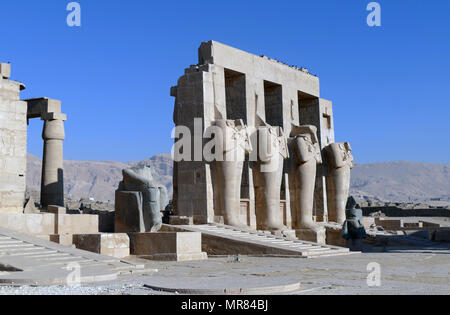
(168, 246)
(109, 244)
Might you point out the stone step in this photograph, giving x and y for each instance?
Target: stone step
(43, 262)
(41, 252)
(11, 246)
(55, 254)
(223, 240)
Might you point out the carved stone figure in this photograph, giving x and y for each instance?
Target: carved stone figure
(339, 164)
(305, 155)
(268, 175)
(139, 201)
(228, 170)
(353, 229)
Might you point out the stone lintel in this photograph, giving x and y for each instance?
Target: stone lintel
(54, 116)
(38, 107)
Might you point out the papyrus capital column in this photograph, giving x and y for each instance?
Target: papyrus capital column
(52, 185)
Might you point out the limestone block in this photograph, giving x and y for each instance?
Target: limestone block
(390, 224)
(334, 236)
(5, 70)
(62, 239)
(35, 224)
(180, 220)
(75, 224)
(318, 235)
(413, 225)
(167, 245)
(114, 245)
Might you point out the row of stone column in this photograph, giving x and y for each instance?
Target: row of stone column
(303, 152)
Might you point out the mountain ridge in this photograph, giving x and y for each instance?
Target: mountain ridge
(399, 181)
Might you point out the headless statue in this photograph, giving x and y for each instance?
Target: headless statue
(139, 201)
(339, 164)
(353, 229)
(267, 177)
(228, 169)
(305, 156)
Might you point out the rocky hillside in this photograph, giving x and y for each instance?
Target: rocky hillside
(95, 179)
(402, 181)
(393, 181)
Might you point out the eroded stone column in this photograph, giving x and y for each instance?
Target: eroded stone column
(228, 171)
(268, 175)
(52, 185)
(305, 155)
(339, 164)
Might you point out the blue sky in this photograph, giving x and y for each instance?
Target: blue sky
(390, 85)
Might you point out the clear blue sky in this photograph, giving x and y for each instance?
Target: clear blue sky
(390, 85)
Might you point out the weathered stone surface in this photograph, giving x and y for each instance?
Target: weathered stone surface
(115, 245)
(269, 97)
(228, 171)
(339, 162)
(13, 140)
(139, 201)
(389, 224)
(177, 220)
(268, 176)
(30, 207)
(5, 70)
(176, 246)
(305, 155)
(62, 239)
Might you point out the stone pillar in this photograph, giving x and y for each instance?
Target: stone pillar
(13, 143)
(267, 176)
(228, 171)
(52, 182)
(340, 162)
(319, 112)
(305, 155)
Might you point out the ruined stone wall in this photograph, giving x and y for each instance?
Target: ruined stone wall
(13, 144)
(229, 83)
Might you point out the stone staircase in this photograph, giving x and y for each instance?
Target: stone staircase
(25, 259)
(226, 240)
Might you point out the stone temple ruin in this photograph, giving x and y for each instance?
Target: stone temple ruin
(275, 201)
(13, 125)
(253, 98)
